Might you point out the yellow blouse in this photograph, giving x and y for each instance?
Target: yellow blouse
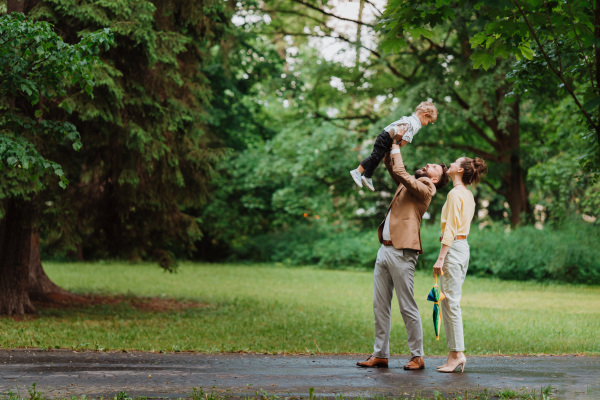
(457, 214)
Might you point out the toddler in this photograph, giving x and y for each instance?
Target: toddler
(424, 114)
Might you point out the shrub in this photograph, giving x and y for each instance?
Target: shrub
(323, 245)
(568, 253)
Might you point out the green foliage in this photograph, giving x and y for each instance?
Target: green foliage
(317, 244)
(559, 186)
(206, 138)
(34, 393)
(551, 46)
(323, 118)
(333, 247)
(151, 135)
(298, 163)
(122, 396)
(567, 254)
(37, 68)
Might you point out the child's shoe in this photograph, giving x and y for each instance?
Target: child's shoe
(368, 183)
(356, 176)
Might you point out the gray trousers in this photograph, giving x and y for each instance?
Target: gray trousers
(395, 269)
(455, 270)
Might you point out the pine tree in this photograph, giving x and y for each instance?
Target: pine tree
(148, 149)
(36, 69)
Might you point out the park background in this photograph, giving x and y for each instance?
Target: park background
(214, 139)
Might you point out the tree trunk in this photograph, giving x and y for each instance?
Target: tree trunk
(15, 253)
(15, 239)
(22, 277)
(516, 191)
(41, 288)
(15, 6)
(597, 59)
(361, 6)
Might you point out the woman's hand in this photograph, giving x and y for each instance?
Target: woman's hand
(437, 267)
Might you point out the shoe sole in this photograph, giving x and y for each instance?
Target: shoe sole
(372, 366)
(357, 181)
(367, 186)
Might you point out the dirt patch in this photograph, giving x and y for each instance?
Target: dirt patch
(140, 303)
(61, 301)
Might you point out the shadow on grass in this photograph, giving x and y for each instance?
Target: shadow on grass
(109, 305)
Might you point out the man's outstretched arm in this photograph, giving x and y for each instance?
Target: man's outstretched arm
(399, 132)
(413, 185)
(390, 168)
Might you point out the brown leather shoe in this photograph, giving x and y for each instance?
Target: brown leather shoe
(415, 363)
(374, 362)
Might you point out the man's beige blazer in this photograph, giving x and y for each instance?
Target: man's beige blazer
(410, 202)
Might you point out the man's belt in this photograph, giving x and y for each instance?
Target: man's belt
(457, 237)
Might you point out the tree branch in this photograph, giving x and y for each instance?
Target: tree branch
(560, 66)
(341, 37)
(442, 48)
(347, 117)
(293, 12)
(397, 73)
(481, 153)
(480, 132)
(331, 14)
(374, 7)
(498, 191)
(332, 121)
(587, 116)
(394, 71)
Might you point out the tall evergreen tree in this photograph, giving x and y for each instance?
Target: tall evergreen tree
(149, 149)
(36, 69)
(149, 141)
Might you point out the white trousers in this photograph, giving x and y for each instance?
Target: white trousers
(455, 271)
(395, 269)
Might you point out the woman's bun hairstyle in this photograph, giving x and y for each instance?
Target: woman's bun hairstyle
(474, 170)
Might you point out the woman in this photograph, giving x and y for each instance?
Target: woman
(453, 260)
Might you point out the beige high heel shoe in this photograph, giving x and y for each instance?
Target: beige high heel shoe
(451, 366)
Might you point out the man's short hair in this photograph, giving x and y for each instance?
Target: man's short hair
(444, 179)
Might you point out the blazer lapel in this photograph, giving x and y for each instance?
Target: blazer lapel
(400, 187)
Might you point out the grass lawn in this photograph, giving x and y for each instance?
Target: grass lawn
(264, 308)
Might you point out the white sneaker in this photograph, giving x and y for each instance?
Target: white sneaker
(368, 183)
(356, 176)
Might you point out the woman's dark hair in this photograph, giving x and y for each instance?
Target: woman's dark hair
(474, 170)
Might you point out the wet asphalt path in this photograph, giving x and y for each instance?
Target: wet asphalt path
(65, 373)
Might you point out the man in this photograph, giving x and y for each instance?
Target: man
(400, 236)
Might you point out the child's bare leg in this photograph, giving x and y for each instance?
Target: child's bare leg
(360, 169)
